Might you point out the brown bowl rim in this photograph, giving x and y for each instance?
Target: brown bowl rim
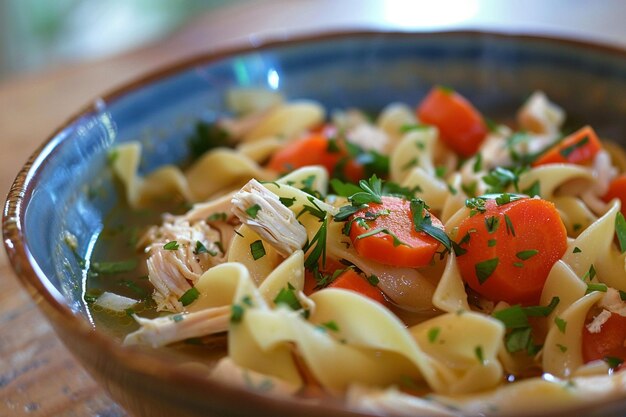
(157, 364)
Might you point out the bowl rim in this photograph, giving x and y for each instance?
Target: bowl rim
(155, 363)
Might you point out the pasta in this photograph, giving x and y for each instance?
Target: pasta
(418, 262)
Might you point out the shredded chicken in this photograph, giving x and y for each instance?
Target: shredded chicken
(611, 303)
(173, 270)
(596, 325)
(175, 328)
(540, 115)
(261, 209)
(368, 137)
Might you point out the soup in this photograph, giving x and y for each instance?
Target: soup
(419, 260)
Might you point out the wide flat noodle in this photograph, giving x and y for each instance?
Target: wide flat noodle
(562, 350)
(415, 149)
(288, 120)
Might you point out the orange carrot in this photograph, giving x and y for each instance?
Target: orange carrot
(608, 342)
(617, 189)
(396, 243)
(351, 280)
(578, 148)
(507, 251)
(460, 125)
(316, 149)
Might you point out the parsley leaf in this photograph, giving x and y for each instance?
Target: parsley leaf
(526, 254)
(207, 136)
(422, 222)
(372, 192)
(253, 210)
(287, 296)
(172, 245)
(257, 249)
(189, 296)
(620, 230)
(484, 269)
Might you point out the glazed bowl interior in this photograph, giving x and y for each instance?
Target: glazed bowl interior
(56, 192)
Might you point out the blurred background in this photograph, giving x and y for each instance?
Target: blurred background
(46, 34)
(37, 34)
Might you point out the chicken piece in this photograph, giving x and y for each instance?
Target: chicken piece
(368, 137)
(540, 115)
(179, 252)
(261, 209)
(175, 328)
(611, 303)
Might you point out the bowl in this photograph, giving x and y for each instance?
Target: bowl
(51, 194)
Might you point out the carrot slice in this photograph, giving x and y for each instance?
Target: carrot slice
(508, 250)
(608, 342)
(351, 280)
(317, 149)
(396, 243)
(578, 148)
(460, 125)
(617, 189)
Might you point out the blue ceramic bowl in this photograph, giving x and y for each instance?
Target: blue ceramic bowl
(368, 70)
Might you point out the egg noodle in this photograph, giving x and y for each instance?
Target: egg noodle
(494, 329)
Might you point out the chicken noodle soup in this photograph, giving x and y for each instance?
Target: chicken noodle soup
(421, 261)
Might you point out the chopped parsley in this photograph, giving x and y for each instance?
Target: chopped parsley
(500, 178)
(319, 250)
(172, 245)
(433, 334)
(200, 248)
(253, 210)
(373, 232)
(470, 189)
(567, 151)
(478, 163)
(590, 274)
(491, 243)
(591, 287)
(371, 192)
(217, 217)
(287, 202)
(561, 324)
(620, 230)
(257, 249)
(189, 296)
(484, 269)
(509, 225)
(613, 362)
(207, 136)
(533, 190)
(236, 313)
(526, 254)
(373, 280)
(422, 222)
(478, 350)
(576, 250)
(331, 325)
(492, 223)
(287, 296)
(476, 205)
(519, 332)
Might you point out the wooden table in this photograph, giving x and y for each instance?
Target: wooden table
(38, 377)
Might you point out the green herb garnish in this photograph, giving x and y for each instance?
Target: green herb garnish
(189, 296)
(484, 269)
(253, 210)
(172, 245)
(257, 249)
